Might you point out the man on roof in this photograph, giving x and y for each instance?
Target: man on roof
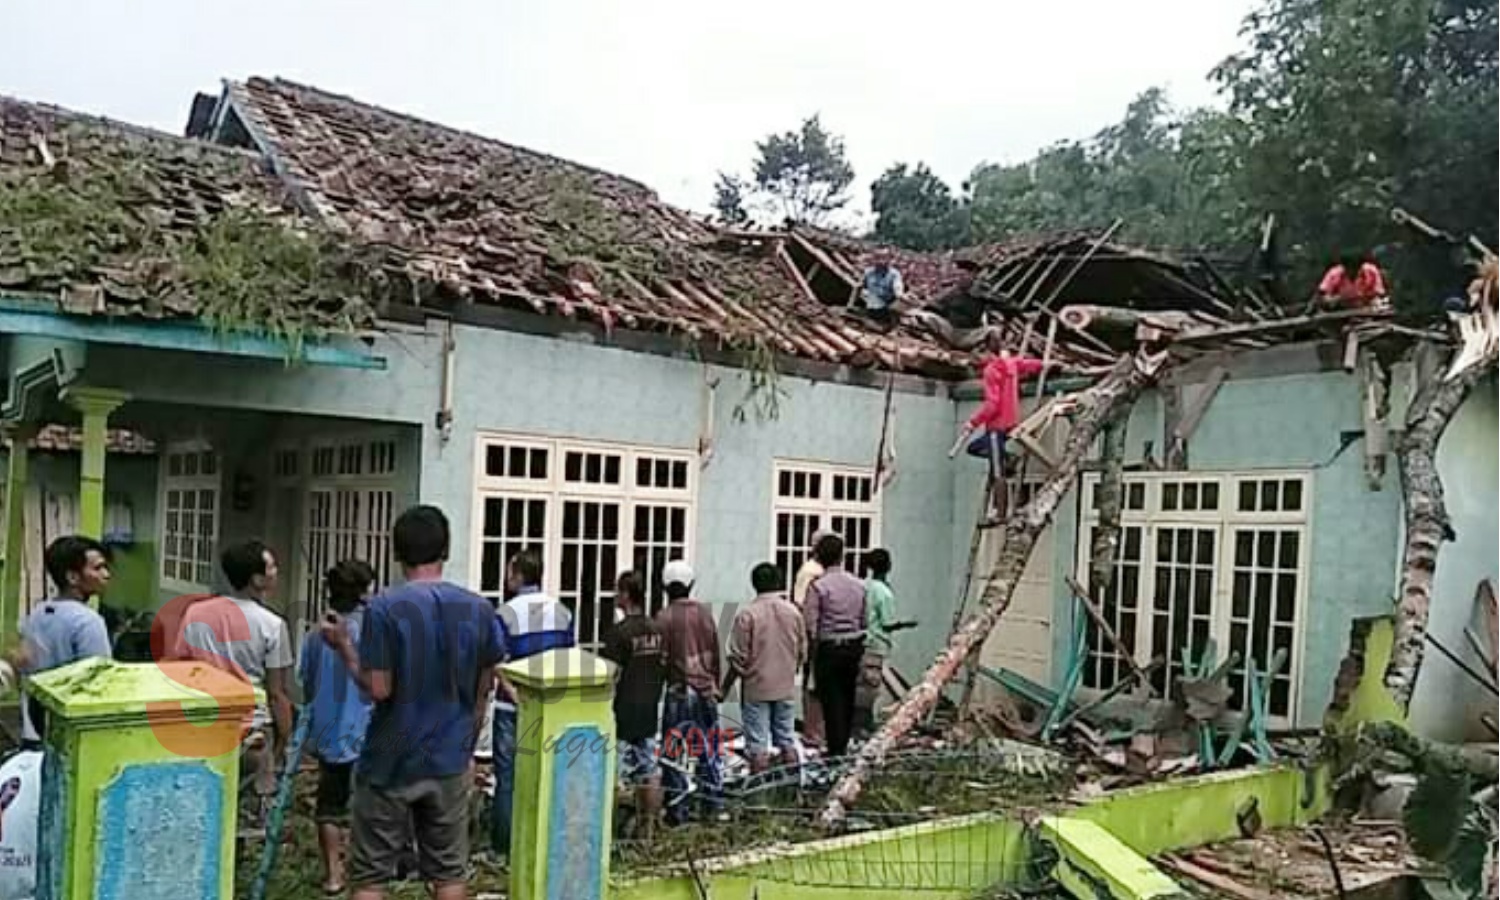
(881, 288)
(1353, 283)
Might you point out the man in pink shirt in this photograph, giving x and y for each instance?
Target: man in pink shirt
(999, 413)
(1353, 283)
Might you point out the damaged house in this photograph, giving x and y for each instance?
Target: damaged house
(563, 362)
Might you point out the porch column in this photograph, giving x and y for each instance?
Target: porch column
(95, 404)
(18, 437)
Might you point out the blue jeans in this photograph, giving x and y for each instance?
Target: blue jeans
(769, 723)
(503, 735)
(692, 733)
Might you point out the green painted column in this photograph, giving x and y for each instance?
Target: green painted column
(565, 776)
(17, 437)
(139, 780)
(95, 405)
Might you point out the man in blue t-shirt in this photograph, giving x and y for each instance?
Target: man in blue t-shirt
(427, 654)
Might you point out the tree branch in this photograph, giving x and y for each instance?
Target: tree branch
(1427, 523)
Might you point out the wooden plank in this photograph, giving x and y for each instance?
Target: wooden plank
(1095, 613)
(1351, 350)
(1278, 326)
(1484, 595)
(1216, 881)
(1035, 448)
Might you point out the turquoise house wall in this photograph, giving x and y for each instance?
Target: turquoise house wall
(570, 387)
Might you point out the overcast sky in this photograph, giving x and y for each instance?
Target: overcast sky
(666, 91)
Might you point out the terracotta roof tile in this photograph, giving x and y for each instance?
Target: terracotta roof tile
(502, 224)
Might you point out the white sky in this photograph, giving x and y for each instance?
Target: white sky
(665, 91)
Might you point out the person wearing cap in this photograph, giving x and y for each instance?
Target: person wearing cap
(690, 712)
(532, 622)
(812, 710)
(835, 617)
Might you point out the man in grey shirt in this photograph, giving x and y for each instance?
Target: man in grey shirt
(835, 616)
(64, 629)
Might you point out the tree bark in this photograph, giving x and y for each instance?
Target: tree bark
(1111, 495)
(1479, 763)
(1427, 524)
(1111, 397)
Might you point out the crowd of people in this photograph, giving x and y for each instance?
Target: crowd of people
(396, 685)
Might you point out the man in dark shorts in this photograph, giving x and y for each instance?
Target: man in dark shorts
(426, 656)
(340, 714)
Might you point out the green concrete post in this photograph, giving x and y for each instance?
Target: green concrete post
(95, 405)
(18, 437)
(565, 776)
(139, 780)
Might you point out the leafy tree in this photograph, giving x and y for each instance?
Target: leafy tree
(729, 200)
(916, 210)
(803, 175)
(1350, 108)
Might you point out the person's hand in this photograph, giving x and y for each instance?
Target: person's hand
(333, 631)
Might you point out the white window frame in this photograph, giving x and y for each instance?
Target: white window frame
(823, 506)
(364, 485)
(555, 490)
(1224, 521)
(167, 483)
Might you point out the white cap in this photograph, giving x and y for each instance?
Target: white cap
(677, 572)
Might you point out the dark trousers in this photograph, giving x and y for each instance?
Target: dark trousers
(836, 678)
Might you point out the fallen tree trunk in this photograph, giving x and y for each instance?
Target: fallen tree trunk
(1479, 763)
(1427, 525)
(1119, 321)
(1106, 402)
(1111, 495)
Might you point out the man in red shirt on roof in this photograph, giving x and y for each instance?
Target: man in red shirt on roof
(1352, 283)
(999, 413)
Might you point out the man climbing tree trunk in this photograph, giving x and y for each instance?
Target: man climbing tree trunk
(1111, 398)
(1427, 523)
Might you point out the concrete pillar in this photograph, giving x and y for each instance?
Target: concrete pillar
(17, 437)
(139, 780)
(565, 776)
(95, 405)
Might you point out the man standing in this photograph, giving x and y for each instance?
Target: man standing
(997, 416)
(835, 616)
(690, 715)
(532, 623)
(427, 656)
(635, 644)
(880, 623)
(767, 647)
(63, 630)
(812, 710)
(340, 714)
(240, 635)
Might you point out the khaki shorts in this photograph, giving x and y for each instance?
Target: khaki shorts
(385, 819)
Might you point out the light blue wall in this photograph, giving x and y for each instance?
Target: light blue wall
(567, 387)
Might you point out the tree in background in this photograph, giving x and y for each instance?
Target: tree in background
(1349, 108)
(803, 175)
(916, 210)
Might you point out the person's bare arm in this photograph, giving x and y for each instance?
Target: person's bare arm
(375, 683)
(279, 698)
(482, 693)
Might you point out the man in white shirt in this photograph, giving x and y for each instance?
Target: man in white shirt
(238, 634)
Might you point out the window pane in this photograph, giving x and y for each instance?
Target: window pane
(1210, 496)
(612, 470)
(1265, 549)
(1291, 495)
(1247, 496)
(1169, 496)
(1268, 496)
(680, 474)
(1135, 496)
(538, 469)
(573, 466)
